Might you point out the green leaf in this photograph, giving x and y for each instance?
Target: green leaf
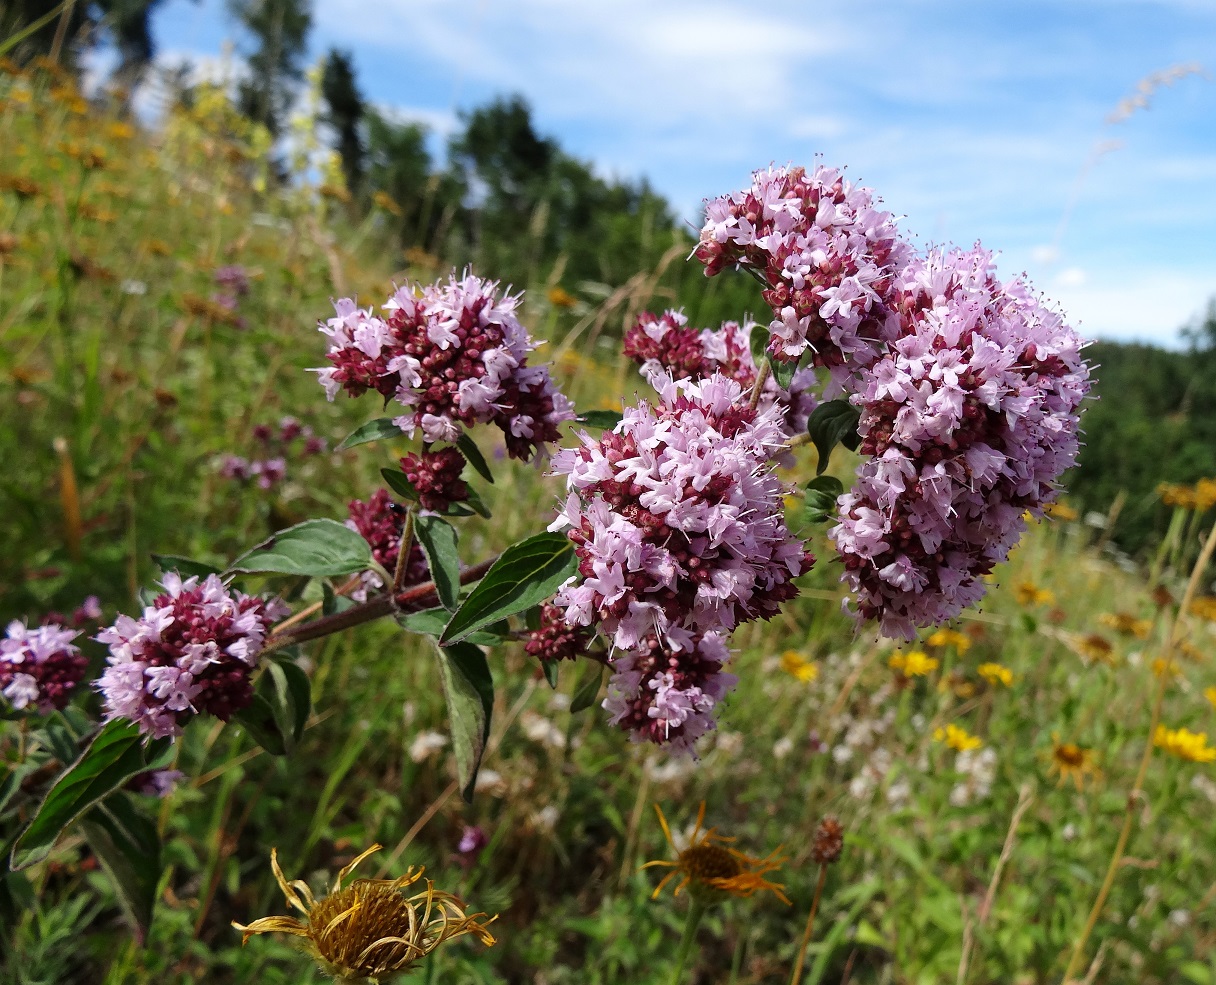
(431, 622)
(292, 698)
(332, 602)
(114, 756)
(258, 718)
(469, 690)
(477, 503)
(524, 574)
(588, 687)
(185, 566)
(126, 844)
(757, 341)
(606, 419)
(820, 502)
(783, 371)
(314, 548)
(472, 454)
(833, 423)
(399, 484)
(438, 540)
(377, 430)
(550, 670)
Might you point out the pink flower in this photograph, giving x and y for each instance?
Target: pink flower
(192, 652)
(677, 518)
(968, 421)
(452, 357)
(39, 667)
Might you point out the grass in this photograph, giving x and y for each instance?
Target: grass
(123, 387)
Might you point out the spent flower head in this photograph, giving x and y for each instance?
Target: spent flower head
(371, 930)
(712, 870)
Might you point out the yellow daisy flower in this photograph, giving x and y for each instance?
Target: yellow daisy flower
(796, 665)
(915, 663)
(995, 674)
(1184, 744)
(949, 637)
(1072, 762)
(1028, 594)
(957, 738)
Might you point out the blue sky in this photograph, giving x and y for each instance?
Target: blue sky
(980, 120)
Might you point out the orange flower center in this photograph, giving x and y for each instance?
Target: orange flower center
(1070, 755)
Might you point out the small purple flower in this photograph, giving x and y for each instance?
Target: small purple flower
(967, 421)
(156, 783)
(39, 667)
(193, 651)
(828, 256)
(233, 279)
(453, 357)
(677, 518)
(380, 521)
(668, 696)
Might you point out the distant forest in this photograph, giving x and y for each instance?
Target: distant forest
(510, 201)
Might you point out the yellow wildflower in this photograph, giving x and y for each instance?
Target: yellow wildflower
(915, 663)
(1095, 649)
(1184, 744)
(796, 665)
(1210, 694)
(1204, 607)
(711, 870)
(995, 673)
(949, 637)
(957, 738)
(560, 298)
(1163, 667)
(370, 930)
(1072, 762)
(1127, 624)
(1028, 593)
(1062, 511)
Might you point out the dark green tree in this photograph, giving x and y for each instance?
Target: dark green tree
(277, 33)
(344, 113)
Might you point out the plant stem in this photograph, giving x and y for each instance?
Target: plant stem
(796, 975)
(403, 551)
(1201, 563)
(762, 372)
(696, 910)
(411, 600)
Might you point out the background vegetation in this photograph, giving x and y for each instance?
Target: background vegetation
(127, 373)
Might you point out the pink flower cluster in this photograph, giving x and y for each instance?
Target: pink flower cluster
(380, 521)
(677, 522)
(39, 667)
(667, 345)
(828, 257)
(968, 420)
(291, 440)
(666, 696)
(453, 357)
(554, 639)
(192, 652)
(436, 477)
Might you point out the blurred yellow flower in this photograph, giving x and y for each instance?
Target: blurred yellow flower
(957, 738)
(1071, 762)
(1095, 649)
(1210, 694)
(385, 201)
(995, 673)
(1166, 668)
(949, 637)
(1204, 607)
(1028, 593)
(1062, 511)
(915, 663)
(1127, 624)
(1184, 744)
(796, 665)
(560, 298)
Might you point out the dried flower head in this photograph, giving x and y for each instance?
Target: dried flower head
(1072, 762)
(828, 841)
(370, 931)
(711, 869)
